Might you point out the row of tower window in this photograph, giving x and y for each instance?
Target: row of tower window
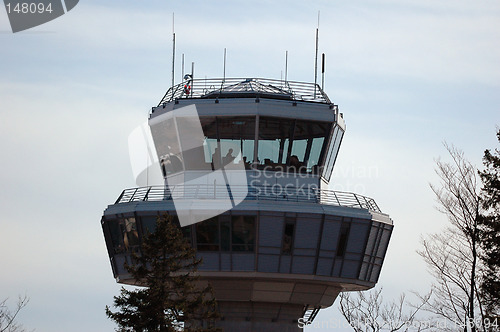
(265, 142)
(225, 233)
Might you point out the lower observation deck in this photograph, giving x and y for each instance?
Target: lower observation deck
(287, 230)
(278, 254)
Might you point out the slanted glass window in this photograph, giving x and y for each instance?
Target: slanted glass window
(191, 141)
(329, 152)
(299, 144)
(236, 135)
(287, 244)
(243, 233)
(148, 224)
(116, 233)
(228, 140)
(186, 232)
(274, 141)
(332, 154)
(130, 234)
(315, 147)
(308, 144)
(225, 232)
(229, 233)
(167, 146)
(344, 234)
(207, 235)
(209, 126)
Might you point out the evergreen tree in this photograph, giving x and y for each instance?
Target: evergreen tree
(490, 230)
(173, 295)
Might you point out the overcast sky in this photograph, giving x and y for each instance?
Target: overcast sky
(406, 74)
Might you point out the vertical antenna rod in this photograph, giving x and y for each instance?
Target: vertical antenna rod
(224, 66)
(286, 66)
(192, 79)
(323, 71)
(182, 66)
(173, 51)
(316, 59)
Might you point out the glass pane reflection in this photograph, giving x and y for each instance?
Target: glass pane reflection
(227, 233)
(228, 140)
(274, 141)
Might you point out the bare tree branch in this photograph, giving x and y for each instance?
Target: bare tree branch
(367, 312)
(8, 318)
(452, 255)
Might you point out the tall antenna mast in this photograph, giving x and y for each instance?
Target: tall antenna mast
(224, 66)
(323, 71)
(173, 50)
(182, 66)
(286, 66)
(192, 79)
(316, 59)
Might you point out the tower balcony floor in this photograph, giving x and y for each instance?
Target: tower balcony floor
(282, 194)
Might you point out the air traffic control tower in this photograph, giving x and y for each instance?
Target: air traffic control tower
(248, 181)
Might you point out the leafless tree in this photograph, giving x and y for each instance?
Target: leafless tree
(8, 318)
(452, 255)
(367, 312)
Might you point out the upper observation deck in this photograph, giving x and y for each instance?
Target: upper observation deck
(218, 88)
(258, 124)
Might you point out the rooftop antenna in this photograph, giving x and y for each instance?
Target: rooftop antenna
(173, 50)
(323, 71)
(182, 62)
(286, 67)
(192, 79)
(224, 79)
(316, 59)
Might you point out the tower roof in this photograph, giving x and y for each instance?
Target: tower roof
(246, 88)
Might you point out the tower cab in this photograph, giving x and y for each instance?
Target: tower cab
(280, 133)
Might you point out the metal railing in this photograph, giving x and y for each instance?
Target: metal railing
(219, 87)
(274, 193)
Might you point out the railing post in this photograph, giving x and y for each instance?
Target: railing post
(338, 201)
(132, 197)
(315, 194)
(147, 193)
(366, 202)
(166, 192)
(120, 197)
(359, 203)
